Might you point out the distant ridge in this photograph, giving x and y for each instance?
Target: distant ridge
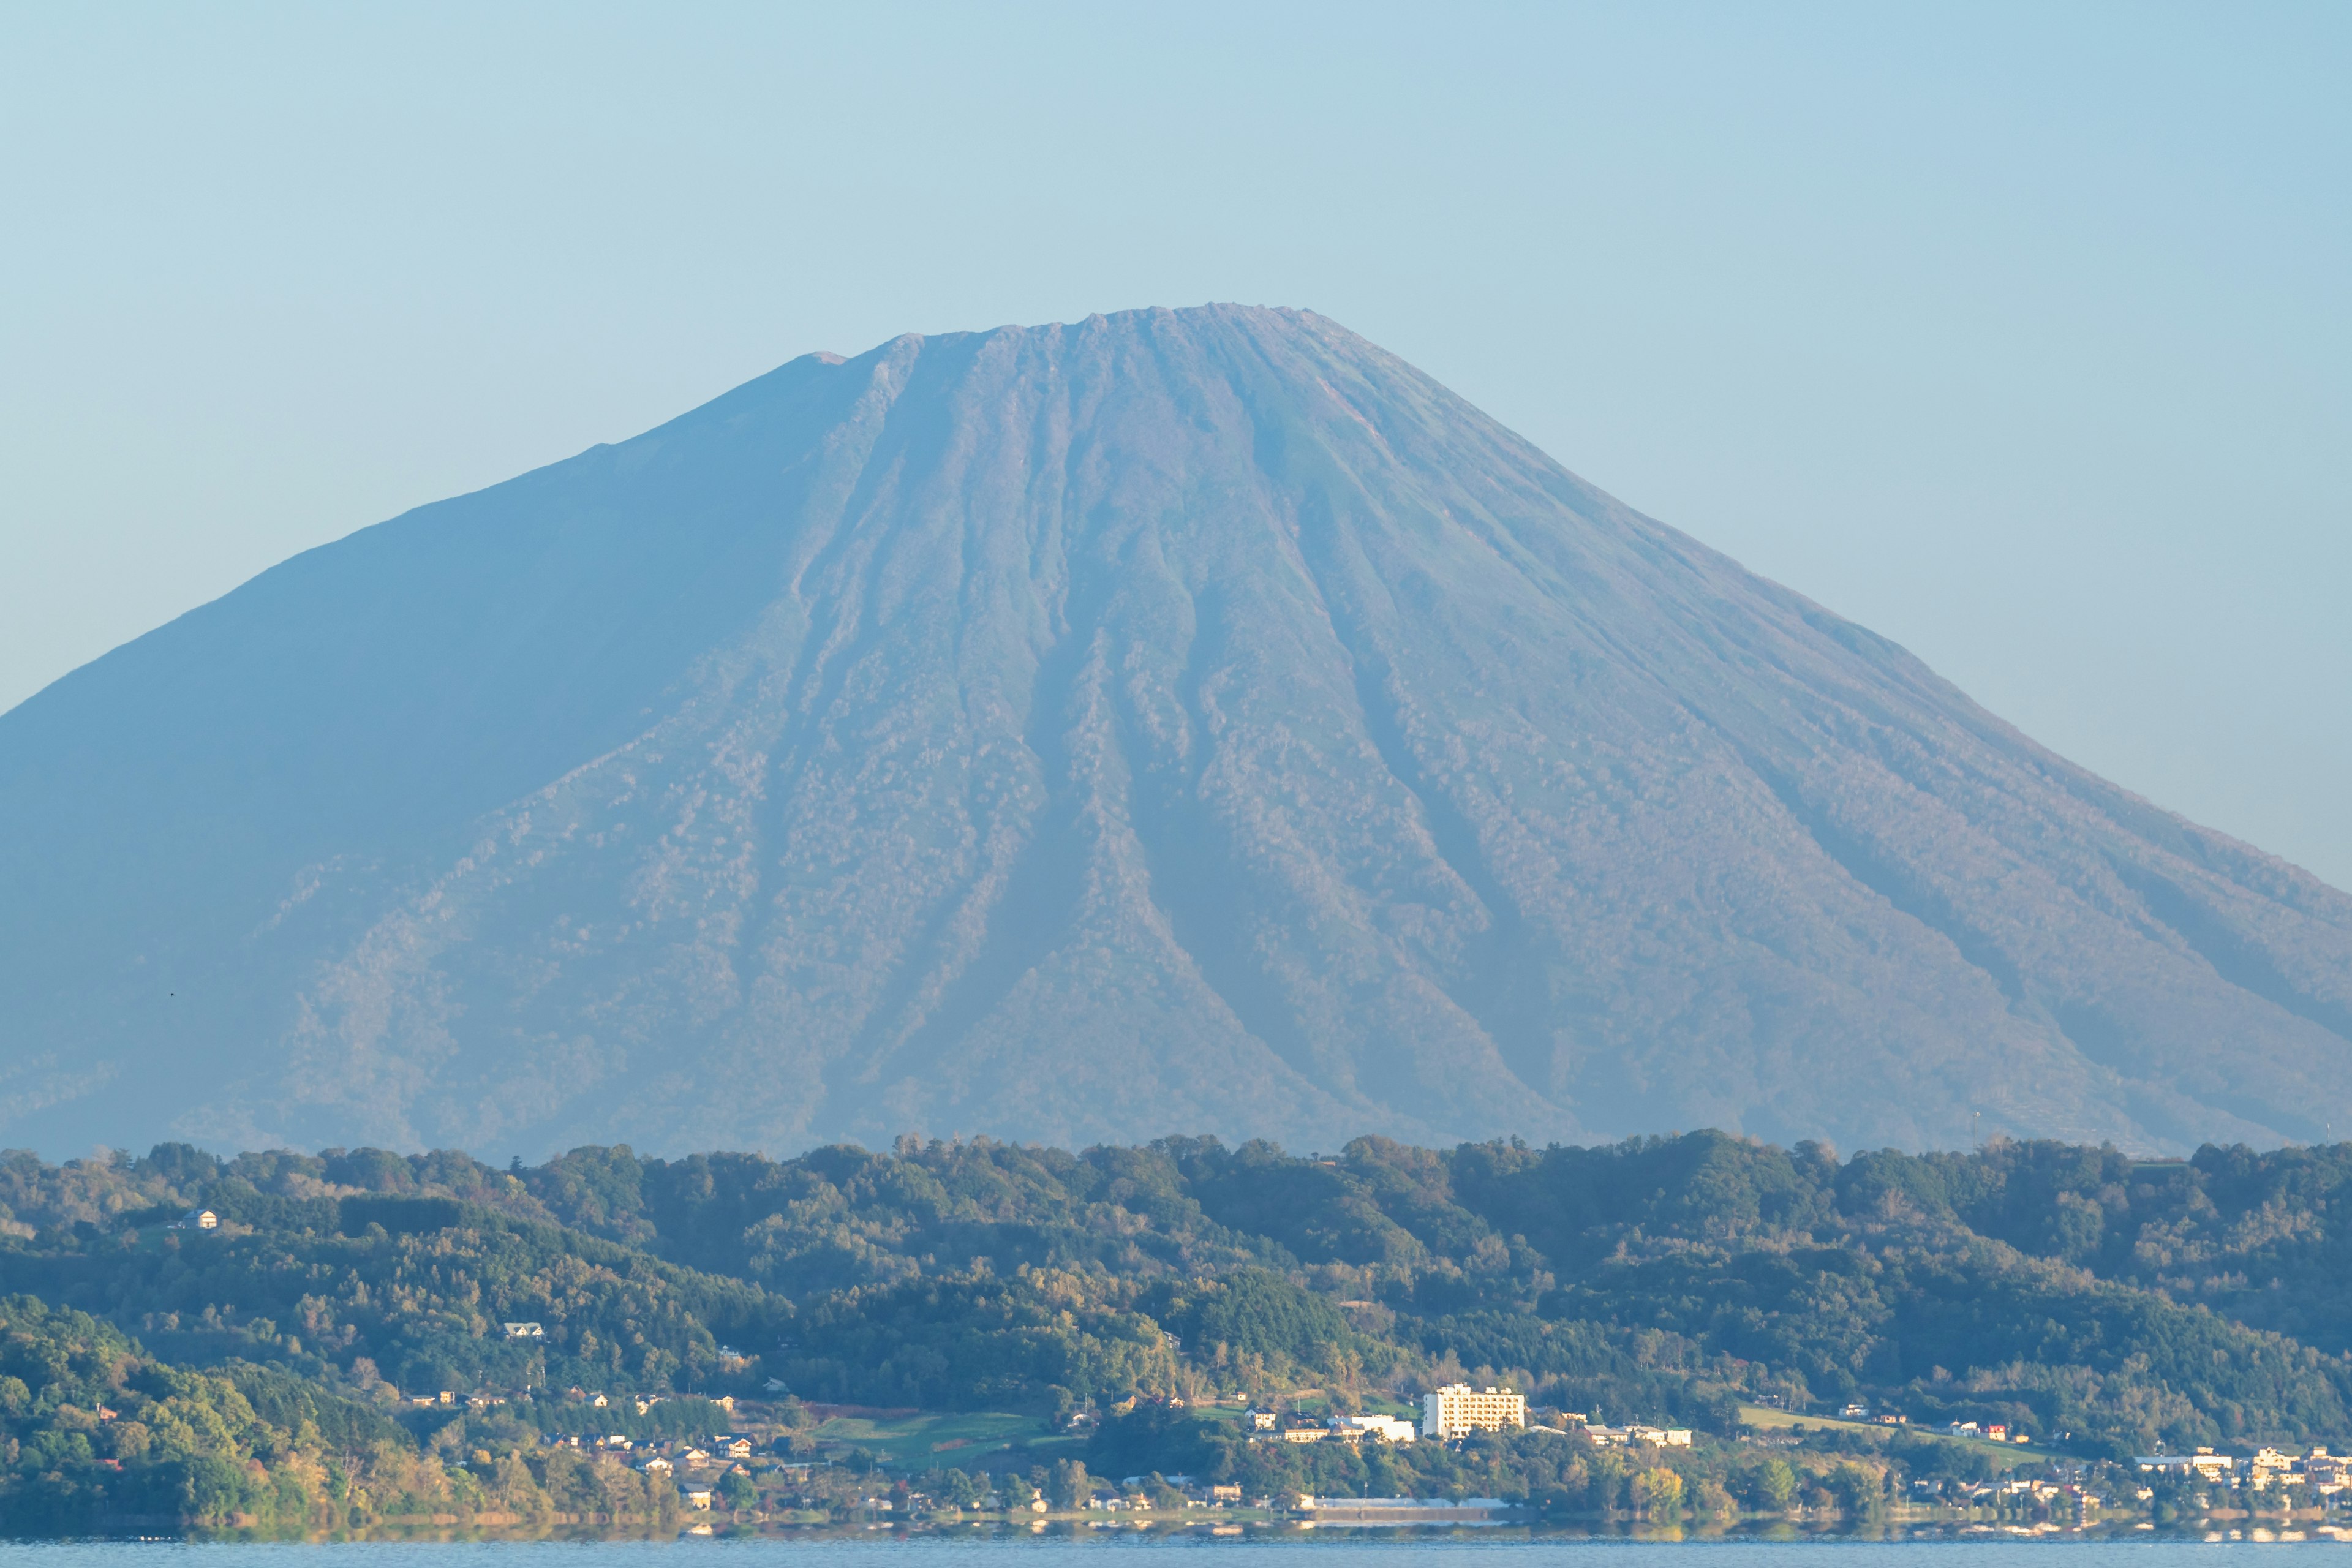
(1177, 721)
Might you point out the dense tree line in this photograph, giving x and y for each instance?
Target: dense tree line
(96, 1434)
(289, 1282)
(2079, 1295)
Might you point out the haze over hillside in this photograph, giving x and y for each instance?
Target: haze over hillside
(1193, 720)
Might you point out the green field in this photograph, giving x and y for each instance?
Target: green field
(943, 1439)
(2004, 1455)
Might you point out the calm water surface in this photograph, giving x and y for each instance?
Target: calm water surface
(1357, 1551)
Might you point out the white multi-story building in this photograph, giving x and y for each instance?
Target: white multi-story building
(1387, 1428)
(1457, 1408)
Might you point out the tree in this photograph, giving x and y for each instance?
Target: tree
(1856, 1489)
(1658, 1492)
(736, 1490)
(1770, 1487)
(1070, 1486)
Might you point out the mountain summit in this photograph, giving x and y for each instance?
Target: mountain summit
(1191, 720)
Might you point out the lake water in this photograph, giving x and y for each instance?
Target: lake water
(1356, 1550)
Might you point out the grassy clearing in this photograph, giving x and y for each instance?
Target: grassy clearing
(2003, 1455)
(943, 1439)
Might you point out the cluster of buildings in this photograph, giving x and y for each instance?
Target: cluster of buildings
(1450, 1413)
(1990, 1431)
(479, 1401)
(2323, 1473)
(1454, 1411)
(728, 1453)
(1859, 1410)
(483, 1399)
(1134, 1494)
(597, 1399)
(1265, 1426)
(1633, 1436)
(2012, 1491)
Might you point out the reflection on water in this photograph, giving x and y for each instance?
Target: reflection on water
(945, 1546)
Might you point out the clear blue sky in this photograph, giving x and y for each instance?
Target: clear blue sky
(2018, 333)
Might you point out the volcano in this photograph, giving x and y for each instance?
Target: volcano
(1178, 721)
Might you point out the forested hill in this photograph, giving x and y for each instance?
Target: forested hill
(2065, 1290)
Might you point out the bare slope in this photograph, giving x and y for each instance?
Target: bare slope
(1177, 721)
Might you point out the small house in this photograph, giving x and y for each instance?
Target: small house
(698, 1497)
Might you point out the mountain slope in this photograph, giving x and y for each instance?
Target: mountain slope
(1191, 720)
